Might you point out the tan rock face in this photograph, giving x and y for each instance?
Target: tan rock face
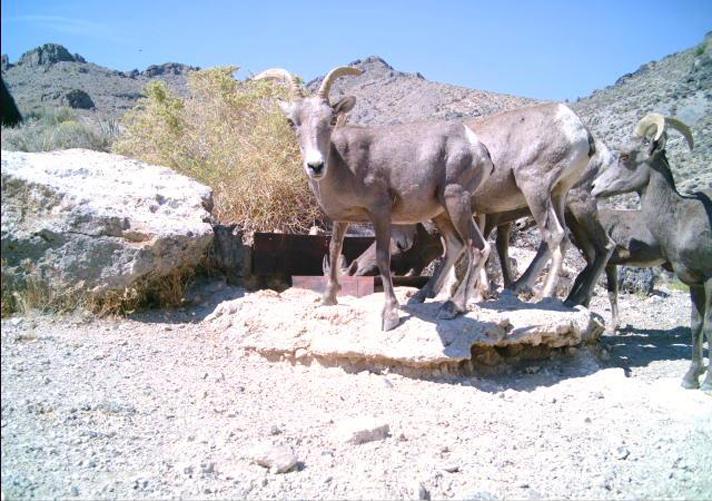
(98, 223)
(293, 326)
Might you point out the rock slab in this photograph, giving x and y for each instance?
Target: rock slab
(88, 221)
(293, 326)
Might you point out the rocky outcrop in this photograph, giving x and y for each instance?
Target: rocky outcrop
(47, 54)
(293, 326)
(168, 69)
(95, 223)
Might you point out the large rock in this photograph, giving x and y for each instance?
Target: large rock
(90, 222)
(48, 53)
(293, 326)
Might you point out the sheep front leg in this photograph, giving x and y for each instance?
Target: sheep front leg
(332, 286)
(382, 226)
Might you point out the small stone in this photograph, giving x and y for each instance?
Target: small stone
(451, 468)
(275, 430)
(278, 459)
(587, 419)
(300, 353)
(74, 491)
(361, 430)
(622, 453)
(16, 321)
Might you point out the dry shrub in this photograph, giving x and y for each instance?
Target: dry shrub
(230, 136)
(58, 129)
(36, 294)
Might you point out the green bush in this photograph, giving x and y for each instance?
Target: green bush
(58, 129)
(230, 136)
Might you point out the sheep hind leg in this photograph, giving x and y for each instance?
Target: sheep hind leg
(457, 204)
(544, 211)
(707, 330)
(557, 242)
(452, 248)
(690, 380)
(382, 226)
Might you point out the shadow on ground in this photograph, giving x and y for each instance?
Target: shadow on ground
(633, 347)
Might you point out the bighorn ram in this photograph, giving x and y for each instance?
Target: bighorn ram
(393, 174)
(539, 153)
(681, 225)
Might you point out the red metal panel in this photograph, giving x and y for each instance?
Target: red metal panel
(355, 286)
(350, 286)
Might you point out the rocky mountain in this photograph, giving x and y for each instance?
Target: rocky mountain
(385, 95)
(50, 76)
(679, 85)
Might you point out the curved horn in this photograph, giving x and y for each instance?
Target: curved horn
(642, 128)
(331, 77)
(660, 122)
(683, 129)
(295, 88)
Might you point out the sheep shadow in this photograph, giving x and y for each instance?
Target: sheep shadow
(633, 347)
(521, 366)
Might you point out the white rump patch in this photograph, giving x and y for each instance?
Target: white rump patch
(571, 125)
(470, 135)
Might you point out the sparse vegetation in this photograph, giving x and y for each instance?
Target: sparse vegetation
(700, 49)
(35, 294)
(59, 129)
(230, 136)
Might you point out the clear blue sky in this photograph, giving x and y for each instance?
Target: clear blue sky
(545, 49)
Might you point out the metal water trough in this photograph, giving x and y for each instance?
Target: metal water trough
(299, 258)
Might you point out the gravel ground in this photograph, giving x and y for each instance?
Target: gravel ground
(160, 406)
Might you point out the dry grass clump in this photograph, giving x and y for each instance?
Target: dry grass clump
(36, 294)
(59, 129)
(230, 136)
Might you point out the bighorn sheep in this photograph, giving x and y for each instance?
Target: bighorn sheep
(635, 246)
(539, 153)
(399, 174)
(581, 217)
(681, 225)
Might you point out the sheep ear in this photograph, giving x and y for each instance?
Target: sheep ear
(287, 107)
(344, 105)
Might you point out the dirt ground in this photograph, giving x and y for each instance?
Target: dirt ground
(163, 405)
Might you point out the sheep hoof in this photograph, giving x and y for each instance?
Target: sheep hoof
(690, 383)
(328, 301)
(390, 321)
(448, 311)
